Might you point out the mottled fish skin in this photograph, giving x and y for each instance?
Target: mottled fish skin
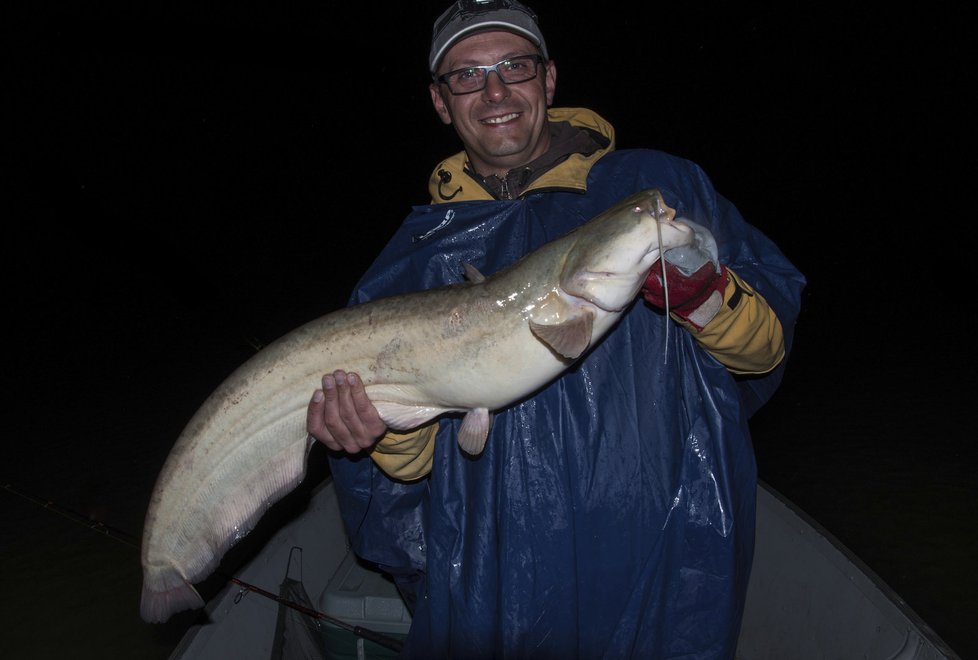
(499, 339)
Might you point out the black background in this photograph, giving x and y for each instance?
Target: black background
(185, 185)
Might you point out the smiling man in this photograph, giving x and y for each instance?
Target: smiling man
(503, 124)
(612, 513)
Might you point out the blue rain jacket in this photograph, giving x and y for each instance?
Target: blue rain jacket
(610, 515)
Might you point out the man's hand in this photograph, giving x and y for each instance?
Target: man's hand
(341, 416)
(694, 277)
(695, 297)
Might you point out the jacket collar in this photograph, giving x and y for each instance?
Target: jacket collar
(450, 181)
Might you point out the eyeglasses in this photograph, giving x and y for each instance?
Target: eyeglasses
(473, 78)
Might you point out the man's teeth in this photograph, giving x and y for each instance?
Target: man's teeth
(500, 120)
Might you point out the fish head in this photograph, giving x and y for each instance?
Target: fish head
(613, 253)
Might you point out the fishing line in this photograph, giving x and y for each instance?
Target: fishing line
(665, 282)
(130, 540)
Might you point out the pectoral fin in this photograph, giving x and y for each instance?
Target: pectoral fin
(474, 430)
(569, 338)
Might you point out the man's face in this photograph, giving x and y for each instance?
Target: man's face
(502, 126)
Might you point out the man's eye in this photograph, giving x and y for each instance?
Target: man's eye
(466, 74)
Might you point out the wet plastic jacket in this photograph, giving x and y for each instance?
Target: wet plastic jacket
(610, 515)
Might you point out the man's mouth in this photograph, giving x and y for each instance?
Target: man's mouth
(501, 119)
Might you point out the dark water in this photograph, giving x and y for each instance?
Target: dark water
(187, 189)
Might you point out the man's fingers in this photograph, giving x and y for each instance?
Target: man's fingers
(347, 411)
(341, 415)
(314, 421)
(353, 401)
(327, 422)
(370, 420)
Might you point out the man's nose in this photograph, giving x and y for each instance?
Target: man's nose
(495, 88)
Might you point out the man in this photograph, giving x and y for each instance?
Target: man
(611, 514)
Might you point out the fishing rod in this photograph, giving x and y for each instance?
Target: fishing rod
(74, 516)
(128, 539)
(359, 631)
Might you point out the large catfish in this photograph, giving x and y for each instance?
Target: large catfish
(469, 348)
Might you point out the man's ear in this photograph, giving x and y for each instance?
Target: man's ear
(440, 106)
(550, 81)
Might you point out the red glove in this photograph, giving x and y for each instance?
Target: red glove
(696, 298)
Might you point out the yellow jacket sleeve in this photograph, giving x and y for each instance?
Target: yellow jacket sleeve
(406, 456)
(745, 335)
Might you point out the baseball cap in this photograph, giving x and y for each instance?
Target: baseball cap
(467, 16)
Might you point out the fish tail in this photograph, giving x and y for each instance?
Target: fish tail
(165, 593)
